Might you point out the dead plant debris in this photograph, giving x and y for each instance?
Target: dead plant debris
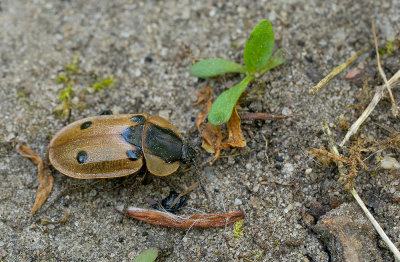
(354, 161)
(45, 178)
(166, 219)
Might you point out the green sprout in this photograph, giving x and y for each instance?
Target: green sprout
(238, 229)
(74, 66)
(258, 59)
(107, 82)
(67, 93)
(62, 79)
(73, 77)
(388, 49)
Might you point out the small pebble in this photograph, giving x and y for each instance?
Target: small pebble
(288, 168)
(308, 171)
(256, 188)
(286, 111)
(248, 166)
(389, 162)
(238, 202)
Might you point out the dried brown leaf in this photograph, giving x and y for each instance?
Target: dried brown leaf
(235, 134)
(165, 219)
(45, 178)
(212, 135)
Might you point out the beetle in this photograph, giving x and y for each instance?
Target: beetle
(108, 146)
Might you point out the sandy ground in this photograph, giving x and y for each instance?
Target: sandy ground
(148, 48)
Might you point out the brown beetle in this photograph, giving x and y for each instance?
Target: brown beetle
(107, 146)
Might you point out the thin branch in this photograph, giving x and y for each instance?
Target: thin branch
(395, 110)
(375, 100)
(337, 70)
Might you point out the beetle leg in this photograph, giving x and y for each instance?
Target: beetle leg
(196, 167)
(197, 144)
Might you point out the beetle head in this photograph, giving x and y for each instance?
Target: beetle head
(188, 153)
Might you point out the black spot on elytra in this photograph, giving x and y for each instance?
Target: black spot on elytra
(82, 156)
(134, 154)
(138, 119)
(85, 125)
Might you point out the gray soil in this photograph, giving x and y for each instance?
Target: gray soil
(113, 38)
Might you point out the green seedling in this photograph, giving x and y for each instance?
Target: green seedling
(73, 77)
(258, 59)
(388, 49)
(238, 229)
(74, 66)
(107, 82)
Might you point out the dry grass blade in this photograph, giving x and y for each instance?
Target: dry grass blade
(376, 225)
(375, 100)
(395, 110)
(337, 70)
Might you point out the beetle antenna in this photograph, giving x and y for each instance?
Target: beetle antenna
(198, 176)
(198, 143)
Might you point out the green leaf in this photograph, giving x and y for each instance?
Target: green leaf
(278, 58)
(221, 110)
(214, 67)
(259, 46)
(148, 255)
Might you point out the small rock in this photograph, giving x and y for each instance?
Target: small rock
(308, 171)
(256, 188)
(390, 163)
(238, 202)
(138, 72)
(286, 111)
(248, 166)
(288, 168)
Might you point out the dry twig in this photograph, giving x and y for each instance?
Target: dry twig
(264, 116)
